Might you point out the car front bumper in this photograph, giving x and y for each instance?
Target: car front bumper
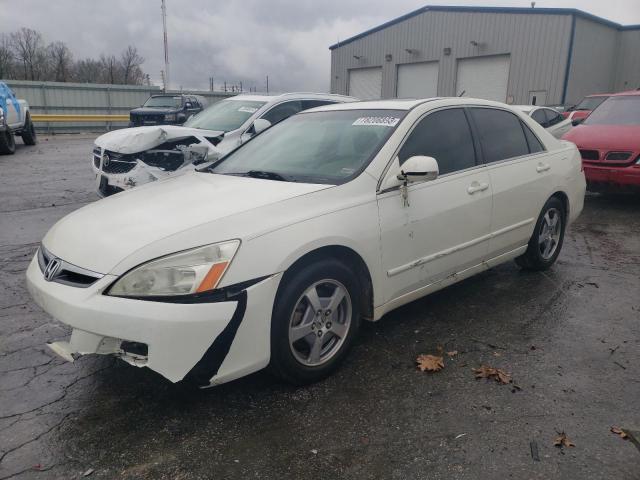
(221, 340)
(605, 178)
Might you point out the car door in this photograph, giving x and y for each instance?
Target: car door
(557, 125)
(519, 170)
(444, 226)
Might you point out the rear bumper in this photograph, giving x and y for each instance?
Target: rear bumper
(605, 178)
(178, 337)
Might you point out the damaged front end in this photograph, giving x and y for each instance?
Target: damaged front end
(117, 171)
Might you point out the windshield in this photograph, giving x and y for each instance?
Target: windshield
(623, 110)
(225, 115)
(590, 103)
(173, 102)
(319, 147)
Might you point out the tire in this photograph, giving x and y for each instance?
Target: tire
(7, 143)
(547, 238)
(29, 132)
(295, 360)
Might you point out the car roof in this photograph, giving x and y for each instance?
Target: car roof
(408, 104)
(294, 96)
(627, 93)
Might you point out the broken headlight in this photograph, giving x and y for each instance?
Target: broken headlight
(192, 271)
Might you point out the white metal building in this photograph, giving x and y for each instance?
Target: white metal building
(515, 55)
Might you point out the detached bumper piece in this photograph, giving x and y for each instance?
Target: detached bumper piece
(84, 343)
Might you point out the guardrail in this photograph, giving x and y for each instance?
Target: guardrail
(39, 117)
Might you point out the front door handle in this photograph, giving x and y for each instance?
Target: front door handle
(477, 187)
(542, 167)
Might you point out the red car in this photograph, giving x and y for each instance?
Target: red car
(586, 106)
(609, 143)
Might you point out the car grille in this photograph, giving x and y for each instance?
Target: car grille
(618, 156)
(147, 119)
(113, 162)
(592, 155)
(57, 270)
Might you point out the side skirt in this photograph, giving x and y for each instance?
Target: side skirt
(445, 282)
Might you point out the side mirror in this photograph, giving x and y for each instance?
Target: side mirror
(198, 154)
(419, 169)
(188, 105)
(577, 121)
(260, 125)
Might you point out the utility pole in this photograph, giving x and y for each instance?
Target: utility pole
(166, 46)
(267, 83)
(164, 83)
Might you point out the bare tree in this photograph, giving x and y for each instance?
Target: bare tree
(6, 57)
(111, 69)
(29, 52)
(88, 71)
(60, 61)
(131, 61)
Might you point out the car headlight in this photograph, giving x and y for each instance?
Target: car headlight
(192, 271)
(171, 117)
(1, 115)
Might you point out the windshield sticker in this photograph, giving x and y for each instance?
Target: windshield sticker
(377, 121)
(248, 109)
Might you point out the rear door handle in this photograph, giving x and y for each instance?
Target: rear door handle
(477, 187)
(542, 167)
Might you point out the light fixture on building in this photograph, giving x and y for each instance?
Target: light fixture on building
(474, 43)
(388, 57)
(446, 50)
(357, 57)
(410, 51)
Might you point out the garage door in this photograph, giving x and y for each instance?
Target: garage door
(366, 83)
(483, 77)
(417, 80)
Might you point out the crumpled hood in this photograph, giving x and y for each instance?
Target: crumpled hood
(606, 137)
(139, 139)
(100, 235)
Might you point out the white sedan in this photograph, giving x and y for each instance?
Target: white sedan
(550, 119)
(272, 255)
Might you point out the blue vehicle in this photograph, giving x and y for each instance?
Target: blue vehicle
(15, 119)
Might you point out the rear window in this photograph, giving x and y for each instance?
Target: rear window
(501, 134)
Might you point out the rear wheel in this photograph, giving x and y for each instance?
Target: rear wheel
(315, 319)
(29, 132)
(7, 142)
(546, 241)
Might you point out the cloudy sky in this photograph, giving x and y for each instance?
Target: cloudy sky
(237, 40)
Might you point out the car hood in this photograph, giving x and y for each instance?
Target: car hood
(139, 139)
(100, 235)
(606, 137)
(158, 110)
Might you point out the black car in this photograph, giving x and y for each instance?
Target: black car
(165, 110)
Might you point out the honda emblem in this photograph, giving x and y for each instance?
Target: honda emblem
(52, 269)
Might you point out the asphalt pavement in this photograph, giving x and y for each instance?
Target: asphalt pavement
(569, 338)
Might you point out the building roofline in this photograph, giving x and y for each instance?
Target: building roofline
(520, 10)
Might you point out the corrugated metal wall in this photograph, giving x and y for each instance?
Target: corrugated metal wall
(628, 61)
(593, 61)
(88, 98)
(538, 44)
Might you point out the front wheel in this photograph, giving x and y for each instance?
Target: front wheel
(29, 132)
(315, 319)
(546, 241)
(7, 143)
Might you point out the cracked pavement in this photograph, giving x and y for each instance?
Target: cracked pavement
(570, 337)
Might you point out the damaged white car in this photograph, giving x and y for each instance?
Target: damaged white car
(123, 159)
(273, 254)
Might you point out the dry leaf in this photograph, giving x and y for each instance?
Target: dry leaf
(440, 349)
(430, 363)
(619, 431)
(497, 354)
(498, 375)
(563, 441)
(452, 353)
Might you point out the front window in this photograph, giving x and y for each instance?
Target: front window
(328, 147)
(623, 110)
(590, 103)
(225, 115)
(170, 102)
